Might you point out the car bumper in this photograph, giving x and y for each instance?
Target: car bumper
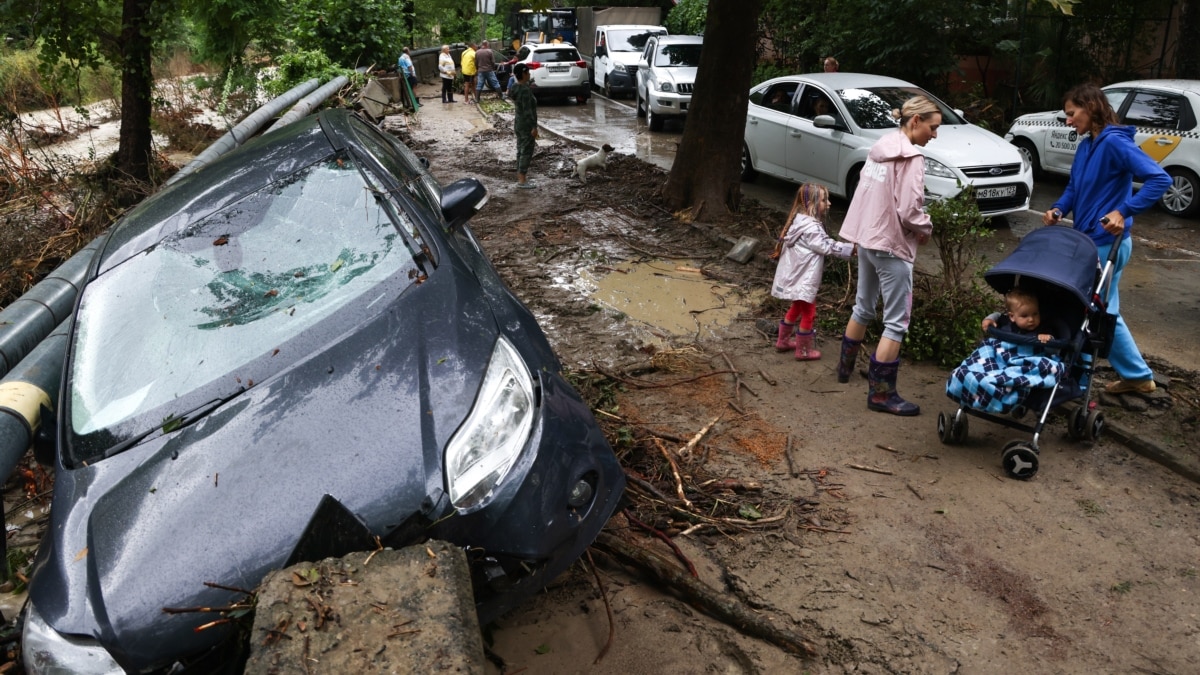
(624, 83)
(995, 197)
(668, 105)
(581, 89)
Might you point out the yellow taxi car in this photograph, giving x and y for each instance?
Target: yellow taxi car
(1164, 112)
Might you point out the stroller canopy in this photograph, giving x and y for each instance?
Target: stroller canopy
(1057, 255)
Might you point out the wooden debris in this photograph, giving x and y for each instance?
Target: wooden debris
(914, 491)
(705, 597)
(792, 462)
(675, 471)
(686, 450)
(872, 469)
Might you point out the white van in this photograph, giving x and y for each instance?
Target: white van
(618, 49)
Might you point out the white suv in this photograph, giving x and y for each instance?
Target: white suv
(1164, 112)
(556, 70)
(665, 75)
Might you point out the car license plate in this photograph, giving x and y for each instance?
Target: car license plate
(995, 192)
(559, 69)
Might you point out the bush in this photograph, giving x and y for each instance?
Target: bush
(301, 66)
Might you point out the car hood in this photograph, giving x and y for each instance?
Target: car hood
(226, 499)
(961, 145)
(683, 75)
(1040, 117)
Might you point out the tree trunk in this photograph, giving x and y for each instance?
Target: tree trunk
(137, 83)
(706, 175)
(1187, 64)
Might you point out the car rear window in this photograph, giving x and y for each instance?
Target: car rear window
(205, 301)
(556, 56)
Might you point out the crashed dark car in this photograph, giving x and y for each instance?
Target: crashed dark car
(298, 352)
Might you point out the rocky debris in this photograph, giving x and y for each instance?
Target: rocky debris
(406, 611)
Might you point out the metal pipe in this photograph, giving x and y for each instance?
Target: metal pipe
(245, 129)
(35, 382)
(31, 317)
(306, 104)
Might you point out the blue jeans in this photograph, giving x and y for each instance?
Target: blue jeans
(489, 78)
(1124, 356)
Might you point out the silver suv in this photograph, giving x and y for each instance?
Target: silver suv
(556, 70)
(665, 75)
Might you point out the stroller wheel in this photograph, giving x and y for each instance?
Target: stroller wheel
(945, 427)
(958, 431)
(1094, 425)
(1020, 460)
(1077, 424)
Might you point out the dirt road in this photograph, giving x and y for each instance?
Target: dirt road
(889, 551)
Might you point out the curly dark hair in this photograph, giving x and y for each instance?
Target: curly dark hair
(1092, 99)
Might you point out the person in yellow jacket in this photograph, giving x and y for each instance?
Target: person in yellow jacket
(468, 70)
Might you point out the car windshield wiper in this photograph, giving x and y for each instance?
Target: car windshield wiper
(172, 423)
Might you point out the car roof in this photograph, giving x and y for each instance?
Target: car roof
(1178, 85)
(846, 80)
(538, 46)
(680, 39)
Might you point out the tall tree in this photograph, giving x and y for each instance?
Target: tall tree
(1187, 60)
(706, 175)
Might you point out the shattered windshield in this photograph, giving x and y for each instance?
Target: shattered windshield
(230, 288)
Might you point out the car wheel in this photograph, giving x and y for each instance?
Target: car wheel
(581, 99)
(852, 181)
(1031, 155)
(748, 172)
(641, 111)
(608, 89)
(1180, 199)
(655, 121)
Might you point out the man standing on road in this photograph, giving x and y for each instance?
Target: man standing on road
(525, 124)
(485, 63)
(468, 70)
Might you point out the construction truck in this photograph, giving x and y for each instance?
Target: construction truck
(527, 26)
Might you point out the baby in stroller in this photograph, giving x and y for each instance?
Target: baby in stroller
(1023, 317)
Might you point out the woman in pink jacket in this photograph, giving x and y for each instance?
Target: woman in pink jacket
(887, 222)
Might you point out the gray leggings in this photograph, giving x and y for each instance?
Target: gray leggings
(883, 273)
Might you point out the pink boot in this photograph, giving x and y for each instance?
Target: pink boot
(804, 346)
(787, 338)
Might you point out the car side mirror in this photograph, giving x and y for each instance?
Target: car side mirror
(462, 199)
(825, 122)
(46, 436)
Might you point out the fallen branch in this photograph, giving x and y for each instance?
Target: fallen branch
(765, 377)
(872, 469)
(737, 380)
(793, 465)
(607, 608)
(675, 471)
(705, 597)
(686, 450)
(661, 535)
(657, 385)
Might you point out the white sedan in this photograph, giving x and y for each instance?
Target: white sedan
(1164, 112)
(819, 128)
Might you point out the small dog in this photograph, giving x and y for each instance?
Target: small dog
(596, 160)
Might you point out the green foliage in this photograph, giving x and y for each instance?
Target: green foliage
(947, 309)
(687, 18)
(352, 33)
(301, 66)
(764, 71)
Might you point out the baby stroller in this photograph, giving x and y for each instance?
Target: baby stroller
(1010, 374)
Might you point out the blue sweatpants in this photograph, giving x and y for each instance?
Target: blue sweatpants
(1124, 356)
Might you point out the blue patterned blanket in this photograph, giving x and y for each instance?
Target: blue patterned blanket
(997, 376)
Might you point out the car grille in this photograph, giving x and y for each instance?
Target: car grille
(685, 88)
(632, 70)
(992, 171)
(1004, 203)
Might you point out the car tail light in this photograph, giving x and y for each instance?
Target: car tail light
(580, 64)
(534, 65)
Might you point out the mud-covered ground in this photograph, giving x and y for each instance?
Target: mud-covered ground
(886, 549)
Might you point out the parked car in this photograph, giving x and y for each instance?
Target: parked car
(555, 70)
(1164, 112)
(617, 50)
(665, 75)
(820, 127)
(298, 352)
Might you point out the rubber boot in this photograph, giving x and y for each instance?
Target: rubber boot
(882, 396)
(787, 337)
(804, 346)
(847, 358)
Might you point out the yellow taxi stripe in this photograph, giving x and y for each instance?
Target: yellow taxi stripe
(24, 399)
(1157, 150)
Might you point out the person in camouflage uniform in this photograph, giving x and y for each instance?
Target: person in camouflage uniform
(525, 123)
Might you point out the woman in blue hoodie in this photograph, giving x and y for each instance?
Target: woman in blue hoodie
(1100, 193)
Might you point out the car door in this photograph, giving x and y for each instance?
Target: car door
(1061, 141)
(767, 119)
(645, 78)
(813, 153)
(1156, 116)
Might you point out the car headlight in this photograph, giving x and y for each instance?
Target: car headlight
(936, 168)
(484, 448)
(45, 651)
(666, 86)
(618, 67)
(1026, 165)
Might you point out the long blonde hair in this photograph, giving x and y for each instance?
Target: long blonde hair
(808, 201)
